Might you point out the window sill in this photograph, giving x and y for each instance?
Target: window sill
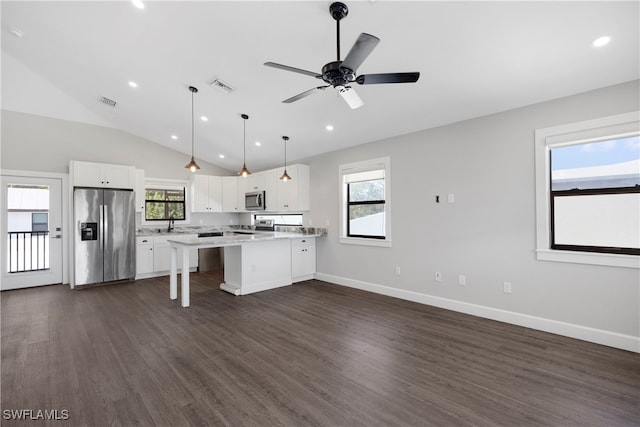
(365, 242)
(612, 260)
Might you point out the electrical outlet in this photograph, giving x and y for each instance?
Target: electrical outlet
(438, 276)
(506, 287)
(462, 280)
(397, 270)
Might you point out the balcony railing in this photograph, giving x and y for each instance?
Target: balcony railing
(28, 251)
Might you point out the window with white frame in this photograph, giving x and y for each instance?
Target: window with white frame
(294, 220)
(365, 203)
(165, 199)
(588, 191)
(162, 204)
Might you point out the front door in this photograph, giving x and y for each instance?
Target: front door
(31, 231)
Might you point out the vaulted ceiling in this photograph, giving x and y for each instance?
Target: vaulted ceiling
(475, 58)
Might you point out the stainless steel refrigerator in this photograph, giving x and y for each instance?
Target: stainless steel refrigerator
(105, 241)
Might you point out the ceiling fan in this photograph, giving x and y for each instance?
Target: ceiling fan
(340, 74)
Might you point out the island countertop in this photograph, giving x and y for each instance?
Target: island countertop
(209, 242)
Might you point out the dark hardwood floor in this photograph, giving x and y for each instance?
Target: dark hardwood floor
(312, 354)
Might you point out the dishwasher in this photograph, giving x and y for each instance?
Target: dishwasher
(210, 259)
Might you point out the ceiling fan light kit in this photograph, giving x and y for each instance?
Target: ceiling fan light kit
(340, 74)
(192, 165)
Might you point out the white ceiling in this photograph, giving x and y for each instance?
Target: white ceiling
(475, 58)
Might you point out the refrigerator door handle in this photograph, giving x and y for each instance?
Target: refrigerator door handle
(101, 227)
(105, 225)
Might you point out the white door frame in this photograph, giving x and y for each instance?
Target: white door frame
(64, 178)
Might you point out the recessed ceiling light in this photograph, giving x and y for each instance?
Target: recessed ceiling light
(258, 143)
(601, 41)
(221, 156)
(133, 84)
(204, 118)
(174, 137)
(138, 4)
(16, 32)
(329, 128)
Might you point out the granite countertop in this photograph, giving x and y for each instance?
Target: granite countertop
(237, 239)
(305, 231)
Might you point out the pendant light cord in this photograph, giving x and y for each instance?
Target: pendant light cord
(192, 126)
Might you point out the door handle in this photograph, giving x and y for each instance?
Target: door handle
(57, 236)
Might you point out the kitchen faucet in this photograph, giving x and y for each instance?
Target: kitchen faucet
(171, 222)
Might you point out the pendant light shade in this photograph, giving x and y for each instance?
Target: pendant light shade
(192, 165)
(285, 176)
(244, 171)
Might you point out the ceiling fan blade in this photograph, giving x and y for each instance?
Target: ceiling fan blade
(304, 94)
(294, 69)
(360, 50)
(350, 96)
(373, 79)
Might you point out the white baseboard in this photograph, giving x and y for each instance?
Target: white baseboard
(598, 336)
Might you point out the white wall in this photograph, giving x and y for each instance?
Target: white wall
(488, 234)
(38, 143)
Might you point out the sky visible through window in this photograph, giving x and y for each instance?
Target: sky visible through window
(601, 153)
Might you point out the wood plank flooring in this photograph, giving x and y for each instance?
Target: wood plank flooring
(312, 354)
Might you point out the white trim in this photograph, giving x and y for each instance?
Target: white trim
(169, 184)
(593, 258)
(598, 336)
(588, 130)
(66, 219)
(365, 242)
(382, 163)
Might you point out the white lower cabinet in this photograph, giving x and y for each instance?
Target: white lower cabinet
(303, 259)
(153, 255)
(144, 255)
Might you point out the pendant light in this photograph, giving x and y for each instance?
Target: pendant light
(285, 176)
(192, 165)
(244, 171)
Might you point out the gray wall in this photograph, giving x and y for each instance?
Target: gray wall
(37, 143)
(42, 144)
(489, 233)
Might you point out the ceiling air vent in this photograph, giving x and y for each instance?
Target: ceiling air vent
(222, 85)
(108, 102)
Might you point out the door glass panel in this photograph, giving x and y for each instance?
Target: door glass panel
(27, 227)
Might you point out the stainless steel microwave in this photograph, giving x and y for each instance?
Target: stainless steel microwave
(255, 201)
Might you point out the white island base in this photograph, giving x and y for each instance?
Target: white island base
(252, 263)
(257, 266)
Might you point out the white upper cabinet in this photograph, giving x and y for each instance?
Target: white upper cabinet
(140, 191)
(255, 182)
(293, 195)
(230, 195)
(271, 189)
(88, 174)
(206, 193)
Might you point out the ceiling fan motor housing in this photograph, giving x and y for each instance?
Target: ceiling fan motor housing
(338, 10)
(336, 75)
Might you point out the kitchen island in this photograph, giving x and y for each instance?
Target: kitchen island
(252, 263)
